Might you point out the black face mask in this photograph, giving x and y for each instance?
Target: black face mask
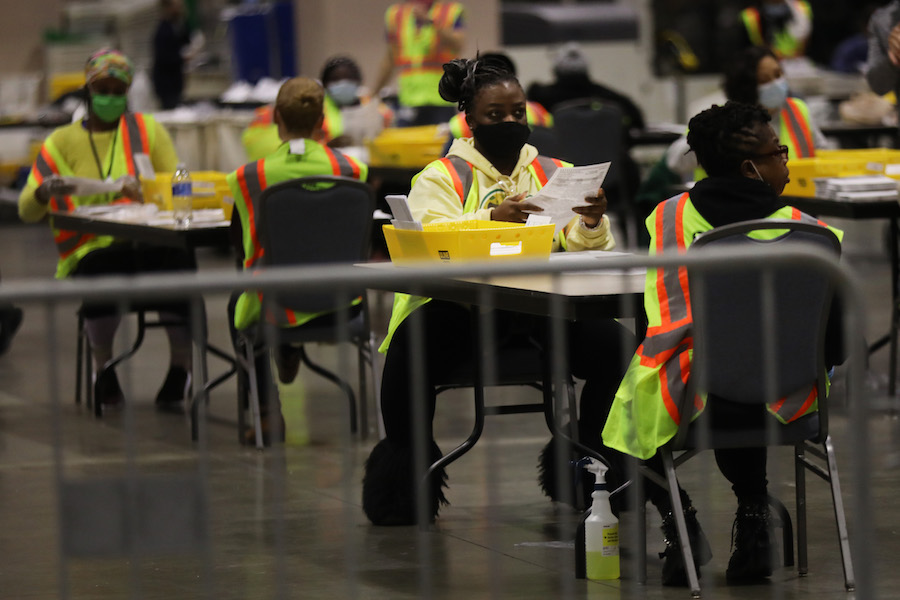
(502, 140)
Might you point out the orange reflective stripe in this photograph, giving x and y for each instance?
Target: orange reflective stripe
(252, 183)
(342, 165)
(682, 246)
(335, 167)
(754, 26)
(264, 115)
(539, 172)
(454, 177)
(798, 129)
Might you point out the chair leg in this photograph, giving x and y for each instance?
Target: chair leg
(800, 475)
(79, 359)
(680, 524)
(254, 395)
(787, 530)
(362, 424)
(839, 517)
(348, 391)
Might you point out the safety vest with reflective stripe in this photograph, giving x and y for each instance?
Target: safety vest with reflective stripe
(247, 185)
(465, 183)
(795, 129)
(417, 54)
(537, 116)
(645, 414)
(136, 134)
(783, 45)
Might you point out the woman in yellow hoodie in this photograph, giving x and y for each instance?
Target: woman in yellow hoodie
(488, 176)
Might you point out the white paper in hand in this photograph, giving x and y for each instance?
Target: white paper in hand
(87, 187)
(566, 189)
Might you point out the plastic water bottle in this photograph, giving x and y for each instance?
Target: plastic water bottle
(182, 197)
(601, 529)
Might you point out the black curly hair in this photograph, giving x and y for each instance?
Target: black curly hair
(463, 78)
(740, 83)
(723, 137)
(339, 61)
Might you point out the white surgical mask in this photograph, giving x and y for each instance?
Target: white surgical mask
(344, 92)
(773, 95)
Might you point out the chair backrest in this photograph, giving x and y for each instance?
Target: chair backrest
(545, 140)
(589, 132)
(732, 315)
(314, 221)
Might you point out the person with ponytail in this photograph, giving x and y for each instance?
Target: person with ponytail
(103, 146)
(488, 176)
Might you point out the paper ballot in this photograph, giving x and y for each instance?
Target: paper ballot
(403, 218)
(86, 187)
(567, 188)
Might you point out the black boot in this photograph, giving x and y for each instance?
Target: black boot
(389, 485)
(673, 572)
(751, 536)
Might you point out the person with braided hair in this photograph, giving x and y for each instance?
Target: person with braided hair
(747, 171)
(488, 176)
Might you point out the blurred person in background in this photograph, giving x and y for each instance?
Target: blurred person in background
(103, 146)
(173, 43)
(755, 77)
(784, 26)
(422, 35)
(344, 95)
(883, 63)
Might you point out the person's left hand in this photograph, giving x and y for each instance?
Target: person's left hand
(595, 209)
(894, 45)
(131, 188)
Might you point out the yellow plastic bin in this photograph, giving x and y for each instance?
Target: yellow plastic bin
(839, 163)
(408, 147)
(210, 191)
(468, 240)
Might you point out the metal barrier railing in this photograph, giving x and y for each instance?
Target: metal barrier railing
(145, 526)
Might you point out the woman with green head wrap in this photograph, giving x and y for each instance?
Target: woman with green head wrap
(103, 146)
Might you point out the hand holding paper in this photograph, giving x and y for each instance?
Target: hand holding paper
(566, 192)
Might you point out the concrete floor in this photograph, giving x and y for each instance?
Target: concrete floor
(221, 520)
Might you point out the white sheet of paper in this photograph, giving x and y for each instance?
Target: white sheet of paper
(87, 187)
(538, 219)
(566, 189)
(402, 214)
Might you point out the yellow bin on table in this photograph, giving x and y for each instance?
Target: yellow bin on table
(210, 190)
(458, 241)
(840, 163)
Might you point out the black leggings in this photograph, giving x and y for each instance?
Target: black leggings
(597, 351)
(128, 259)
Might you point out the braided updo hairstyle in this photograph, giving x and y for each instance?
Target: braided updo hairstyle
(723, 137)
(463, 78)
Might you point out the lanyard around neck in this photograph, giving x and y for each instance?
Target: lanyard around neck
(112, 155)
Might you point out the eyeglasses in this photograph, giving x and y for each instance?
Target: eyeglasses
(782, 152)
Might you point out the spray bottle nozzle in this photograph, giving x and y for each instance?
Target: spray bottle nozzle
(598, 468)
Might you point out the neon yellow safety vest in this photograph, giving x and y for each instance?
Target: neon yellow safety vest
(417, 54)
(247, 185)
(537, 116)
(137, 133)
(645, 414)
(462, 174)
(783, 45)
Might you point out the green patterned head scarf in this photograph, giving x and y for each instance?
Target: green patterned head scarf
(108, 63)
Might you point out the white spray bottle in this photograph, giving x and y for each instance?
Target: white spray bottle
(601, 529)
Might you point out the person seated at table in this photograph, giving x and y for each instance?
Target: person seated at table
(103, 146)
(503, 171)
(747, 169)
(344, 93)
(784, 26)
(298, 115)
(754, 76)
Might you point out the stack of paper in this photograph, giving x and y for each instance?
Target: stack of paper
(866, 187)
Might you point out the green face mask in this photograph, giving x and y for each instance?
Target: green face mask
(108, 107)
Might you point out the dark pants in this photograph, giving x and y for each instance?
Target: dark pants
(597, 351)
(128, 259)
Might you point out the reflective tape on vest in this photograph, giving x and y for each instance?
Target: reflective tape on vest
(798, 129)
